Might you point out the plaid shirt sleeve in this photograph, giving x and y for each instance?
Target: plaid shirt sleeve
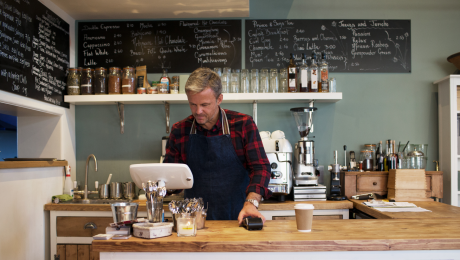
(256, 160)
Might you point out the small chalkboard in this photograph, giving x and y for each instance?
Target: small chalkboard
(350, 45)
(34, 51)
(176, 45)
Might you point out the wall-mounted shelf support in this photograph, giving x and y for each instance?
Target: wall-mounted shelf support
(121, 113)
(254, 111)
(167, 116)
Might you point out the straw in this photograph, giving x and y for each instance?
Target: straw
(405, 146)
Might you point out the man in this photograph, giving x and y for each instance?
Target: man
(223, 150)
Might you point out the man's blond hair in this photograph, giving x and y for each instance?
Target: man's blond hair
(201, 79)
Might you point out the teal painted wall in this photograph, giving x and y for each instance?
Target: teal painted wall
(375, 106)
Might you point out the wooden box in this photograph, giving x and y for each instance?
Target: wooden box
(407, 184)
(407, 179)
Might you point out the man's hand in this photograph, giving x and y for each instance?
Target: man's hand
(249, 210)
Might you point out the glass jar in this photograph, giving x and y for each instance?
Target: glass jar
(368, 160)
(373, 148)
(186, 226)
(93, 82)
(218, 71)
(225, 79)
(86, 82)
(235, 82)
(73, 82)
(283, 81)
(162, 88)
(264, 81)
(245, 81)
(174, 88)
(254, 81)
(100, 78)
(114, 80)
(127, 81)
(274, 83)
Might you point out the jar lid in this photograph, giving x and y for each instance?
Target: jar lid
(87, 69)
(369, 145)
(114, 68)
(101, 68)
(366, 151)
(128, 68)
(73, 69)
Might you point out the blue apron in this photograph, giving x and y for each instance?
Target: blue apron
(219, 176)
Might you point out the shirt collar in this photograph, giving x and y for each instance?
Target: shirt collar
(216, 127)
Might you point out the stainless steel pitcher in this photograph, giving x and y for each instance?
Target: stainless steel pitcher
(116, 190)
(128, 190)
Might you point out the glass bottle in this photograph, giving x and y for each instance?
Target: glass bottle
(324, 74)
(379, 158)
(86, 87)
(387, 152)
(127, 81)
(392, 158)
(313, 81)
(114, 80)
(292, 75)
(165, 79)
(73, 82)
(225, 79)
(100, 78)
(303, 71)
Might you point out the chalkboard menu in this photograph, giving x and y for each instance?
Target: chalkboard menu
(179, 46)
(350, 45)
(34, 51)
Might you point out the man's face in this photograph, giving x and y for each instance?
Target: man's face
(205, 107)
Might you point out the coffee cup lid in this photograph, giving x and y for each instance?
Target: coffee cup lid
(304, 206)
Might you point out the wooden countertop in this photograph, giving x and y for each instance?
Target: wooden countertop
(282, 236)
(438, 210)
(264, 206)
(32, 164)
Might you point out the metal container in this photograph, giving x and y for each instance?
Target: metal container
(128, 190)
(116, 190)
(124, 211)
(104, 191)
(155, 210)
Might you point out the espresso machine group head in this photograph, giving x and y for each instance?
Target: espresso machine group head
(305, 172)
(337, 191)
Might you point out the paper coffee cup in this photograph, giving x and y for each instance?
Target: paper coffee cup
(304, 216)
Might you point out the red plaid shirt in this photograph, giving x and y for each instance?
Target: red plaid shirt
(246, 141)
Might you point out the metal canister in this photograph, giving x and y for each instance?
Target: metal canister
(104, 191)
(128, 190)
(116, 190)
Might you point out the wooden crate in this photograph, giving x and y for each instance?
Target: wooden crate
(407, 179)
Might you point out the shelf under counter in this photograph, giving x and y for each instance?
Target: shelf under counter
(182, 98)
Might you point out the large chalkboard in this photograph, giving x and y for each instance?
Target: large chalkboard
(350, 45)
(179, 46)
(34, 51)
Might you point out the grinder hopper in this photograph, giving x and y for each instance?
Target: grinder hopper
(303, 117)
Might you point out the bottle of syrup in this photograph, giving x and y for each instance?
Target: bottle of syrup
(165, 79)
(292, 75)
(314, 79)
(303, 71)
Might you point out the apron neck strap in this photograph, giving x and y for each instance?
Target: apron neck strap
(225, 127)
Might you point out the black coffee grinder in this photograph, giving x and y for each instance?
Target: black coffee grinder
(337, 192)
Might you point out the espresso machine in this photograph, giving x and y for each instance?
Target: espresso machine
(305, 167)
(279, 154)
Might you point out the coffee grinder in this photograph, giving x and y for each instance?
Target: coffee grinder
(305, 172)
(337, 190)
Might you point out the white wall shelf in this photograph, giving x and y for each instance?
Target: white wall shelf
(182, 98)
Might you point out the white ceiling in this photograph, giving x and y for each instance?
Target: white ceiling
(152, 9)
